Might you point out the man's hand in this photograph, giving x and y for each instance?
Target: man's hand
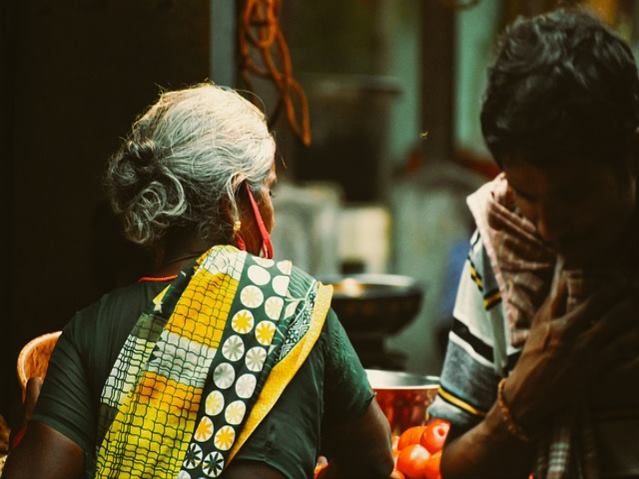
(566, 353)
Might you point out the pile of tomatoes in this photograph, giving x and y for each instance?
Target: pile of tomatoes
(418, 450)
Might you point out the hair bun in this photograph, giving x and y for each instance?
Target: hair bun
(143, 155)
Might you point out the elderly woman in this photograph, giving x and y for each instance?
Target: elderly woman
(223, 362)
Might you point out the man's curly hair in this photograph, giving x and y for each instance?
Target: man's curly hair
(563, 85)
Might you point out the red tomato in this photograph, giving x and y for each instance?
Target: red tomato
(412, 435)
(431, 468)
(412, 461)
(434, 435)
(436, 420)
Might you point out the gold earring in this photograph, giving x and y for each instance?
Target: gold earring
(236, 226)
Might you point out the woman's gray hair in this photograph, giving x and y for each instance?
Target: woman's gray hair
(184, 158)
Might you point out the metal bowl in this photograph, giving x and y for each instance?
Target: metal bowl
(403, 397)
(379, 304)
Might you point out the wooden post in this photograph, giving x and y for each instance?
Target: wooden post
(223, 33)
(437, 74)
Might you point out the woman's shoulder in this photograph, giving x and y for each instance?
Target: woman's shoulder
(120, 305)
(99, 330)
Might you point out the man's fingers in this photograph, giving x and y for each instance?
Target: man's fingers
(559, 299)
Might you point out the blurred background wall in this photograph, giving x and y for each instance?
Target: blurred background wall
(75, 73)
(394, 90)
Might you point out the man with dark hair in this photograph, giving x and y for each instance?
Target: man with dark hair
(542, 369)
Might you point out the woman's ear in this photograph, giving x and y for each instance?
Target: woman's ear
(228, 214)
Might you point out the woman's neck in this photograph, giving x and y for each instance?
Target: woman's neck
(175, 255)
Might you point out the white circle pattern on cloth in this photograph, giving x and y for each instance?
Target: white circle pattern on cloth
(193, 458)
(285, 267)
(258, 275)
(204, 429)
(255, 358)
(235, 412)
(245, 386)
(251, 296)
(280, 285)
(214, 403)
(243, 321)
(213, 464)
(264, 332)
(224, 438)
(233, 348)
(264, 262)
(273, 307)
(224, 375)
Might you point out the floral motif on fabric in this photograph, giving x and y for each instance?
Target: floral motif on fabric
(242, 321)
(273, 307)
(255, 358)
(224, 375)
(264, 332)
(280, 284)
(204, 429)
(299, 325)
(285, 267)
(245, 386)
(213, 464)
(214, 403)
(193, 457)
(258, 275)
(251, 296)
(235, 412)
(233, 348)
(264, 262)
(224, 438)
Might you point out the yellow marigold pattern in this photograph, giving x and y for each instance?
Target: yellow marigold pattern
(224, 438)
(264, 332)
(242, 322)
(204, 430)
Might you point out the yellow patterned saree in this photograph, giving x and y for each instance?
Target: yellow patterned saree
(204, 366)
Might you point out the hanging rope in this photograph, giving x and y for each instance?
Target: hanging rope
(260, 36)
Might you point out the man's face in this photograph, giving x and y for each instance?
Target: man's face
(581, 208)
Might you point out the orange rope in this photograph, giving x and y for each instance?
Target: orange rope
(259, 30)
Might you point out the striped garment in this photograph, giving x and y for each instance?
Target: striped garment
(505, 280)
(478, 354)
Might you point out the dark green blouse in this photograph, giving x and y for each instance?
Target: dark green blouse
(331, 386)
